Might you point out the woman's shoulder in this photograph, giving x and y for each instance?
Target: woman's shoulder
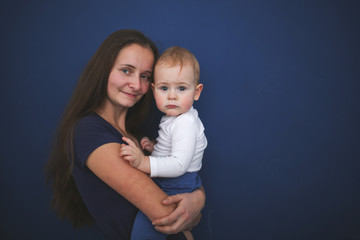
(93, 125)
(92, 132)
(93, 121)
(90, 119)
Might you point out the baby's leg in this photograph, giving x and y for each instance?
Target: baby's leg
(143, 229)
(188, 235)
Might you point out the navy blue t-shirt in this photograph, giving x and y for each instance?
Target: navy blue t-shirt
(113, 214)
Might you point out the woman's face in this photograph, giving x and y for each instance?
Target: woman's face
(129, 78)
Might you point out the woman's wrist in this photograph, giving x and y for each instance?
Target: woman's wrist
(200, 197)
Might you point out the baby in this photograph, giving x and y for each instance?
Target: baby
(177, 155)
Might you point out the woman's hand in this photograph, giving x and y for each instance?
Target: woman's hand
(185, 216)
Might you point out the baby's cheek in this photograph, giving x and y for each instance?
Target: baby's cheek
(159, 101)
(187, 104)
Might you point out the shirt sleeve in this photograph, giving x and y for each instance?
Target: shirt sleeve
(89, 134)
(183, 142)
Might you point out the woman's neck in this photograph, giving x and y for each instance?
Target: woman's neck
(114, 115)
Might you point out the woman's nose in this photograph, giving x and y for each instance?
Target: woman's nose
(135, 82)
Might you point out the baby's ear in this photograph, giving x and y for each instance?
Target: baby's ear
(152, 86)
(198, 90)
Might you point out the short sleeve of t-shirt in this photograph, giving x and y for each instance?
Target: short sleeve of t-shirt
(90, 133)
(113, 214)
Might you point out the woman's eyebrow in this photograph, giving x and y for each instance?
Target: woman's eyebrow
(127, 65)
(148, 71)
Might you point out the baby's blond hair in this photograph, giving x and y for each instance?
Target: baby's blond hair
(178, 56)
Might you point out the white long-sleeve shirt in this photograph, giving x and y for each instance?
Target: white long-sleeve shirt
(180, 145)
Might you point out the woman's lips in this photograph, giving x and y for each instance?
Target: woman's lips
(130, 95)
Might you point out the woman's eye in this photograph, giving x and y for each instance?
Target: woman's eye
(126, 71)
(146, 77)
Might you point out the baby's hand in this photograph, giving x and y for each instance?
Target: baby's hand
(147, 144)
(131, 153)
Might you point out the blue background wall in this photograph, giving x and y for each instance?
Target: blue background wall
(280, 106)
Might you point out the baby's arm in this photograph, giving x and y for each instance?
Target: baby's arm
(147, 144)
(135, 156)
(183, 143)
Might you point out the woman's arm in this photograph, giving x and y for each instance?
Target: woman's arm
(135, 186)
(140, 190)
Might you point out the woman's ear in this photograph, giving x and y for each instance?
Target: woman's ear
(198, 90)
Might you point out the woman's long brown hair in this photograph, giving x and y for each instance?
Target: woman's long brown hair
(88, 96)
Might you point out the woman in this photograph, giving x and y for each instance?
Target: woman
(91, 181)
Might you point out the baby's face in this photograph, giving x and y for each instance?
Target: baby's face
(175, 90)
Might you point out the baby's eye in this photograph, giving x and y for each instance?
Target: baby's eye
(182, 88)
(163, 88)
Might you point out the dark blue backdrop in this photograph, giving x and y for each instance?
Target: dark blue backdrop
(280, 107)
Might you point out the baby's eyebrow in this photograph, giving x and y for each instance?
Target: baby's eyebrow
(158, 83)
(184, 83)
